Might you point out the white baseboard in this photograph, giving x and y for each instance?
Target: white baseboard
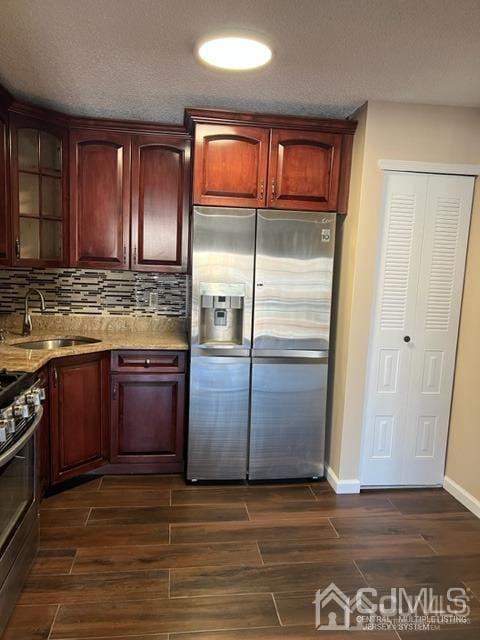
(341, 486)
(462, 496)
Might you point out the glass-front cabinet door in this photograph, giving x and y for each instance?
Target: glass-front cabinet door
(38, 194)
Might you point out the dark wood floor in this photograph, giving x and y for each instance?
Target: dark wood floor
(147, 558)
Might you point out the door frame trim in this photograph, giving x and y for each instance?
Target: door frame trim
(429, 167)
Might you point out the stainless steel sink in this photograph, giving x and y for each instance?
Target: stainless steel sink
(56, 343)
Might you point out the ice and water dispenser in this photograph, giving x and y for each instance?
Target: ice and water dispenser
(221, 314)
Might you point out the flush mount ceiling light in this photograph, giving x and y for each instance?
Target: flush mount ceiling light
(234, 52)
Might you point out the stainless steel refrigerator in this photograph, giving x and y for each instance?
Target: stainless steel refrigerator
(260, 323)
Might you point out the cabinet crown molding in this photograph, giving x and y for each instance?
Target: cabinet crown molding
(58, 118)
(136, 127)
(6, 98)
(195, 116)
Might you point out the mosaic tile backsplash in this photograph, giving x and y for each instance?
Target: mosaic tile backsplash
(95, 292)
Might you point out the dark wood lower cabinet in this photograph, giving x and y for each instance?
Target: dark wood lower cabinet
(147, 421)
(135, 424)
(43, 439)
(78, 414)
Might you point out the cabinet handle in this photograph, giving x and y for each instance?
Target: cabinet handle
(273, 188)
(17, 249)
(134, 255)
(115, 391)
(262, 188)
(147, 362)
(124, 254)
(55, 377)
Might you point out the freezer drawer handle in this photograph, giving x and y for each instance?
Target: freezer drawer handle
(286, 361)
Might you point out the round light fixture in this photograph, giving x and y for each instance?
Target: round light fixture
(235, 53)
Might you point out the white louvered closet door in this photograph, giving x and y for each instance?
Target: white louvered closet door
(420, 281)
(434, 335)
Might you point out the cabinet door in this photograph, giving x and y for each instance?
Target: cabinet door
(230, 165)
(38, 193)
(160, 194)
(4, 231)
(79, 414)
(147, 418)
(304, 170)
(100, 199)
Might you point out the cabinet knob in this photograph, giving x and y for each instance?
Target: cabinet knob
(407, 339)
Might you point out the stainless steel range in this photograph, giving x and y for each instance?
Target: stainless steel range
(260, 326)
(20, 414)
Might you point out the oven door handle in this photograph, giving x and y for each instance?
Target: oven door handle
(8, 455)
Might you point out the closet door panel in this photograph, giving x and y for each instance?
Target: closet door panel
(434, 338)
(393, 319)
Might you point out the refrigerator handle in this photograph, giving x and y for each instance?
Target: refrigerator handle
(289, 353)
(219, 352)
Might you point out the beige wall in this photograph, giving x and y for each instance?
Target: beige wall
(344, 271)
(398, 132)
(463, 455)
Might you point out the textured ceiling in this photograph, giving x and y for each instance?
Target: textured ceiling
(133, 58)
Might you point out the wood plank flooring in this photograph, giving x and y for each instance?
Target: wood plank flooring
(150, 558)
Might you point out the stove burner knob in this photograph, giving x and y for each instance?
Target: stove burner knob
(21, 411)
(7, 426)
(3, 433)
(33, 398)
(7, 413)
(41, 393)
(10, 425)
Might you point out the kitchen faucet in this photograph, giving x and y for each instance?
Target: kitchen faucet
(27, 319)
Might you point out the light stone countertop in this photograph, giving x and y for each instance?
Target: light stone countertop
(115, 332)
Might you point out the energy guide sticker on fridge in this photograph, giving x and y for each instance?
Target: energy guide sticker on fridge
(325, 235)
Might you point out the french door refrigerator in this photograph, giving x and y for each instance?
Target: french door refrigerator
(260, 324)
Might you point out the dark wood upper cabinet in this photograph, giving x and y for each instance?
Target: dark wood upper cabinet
(160, 203)
(304, 170)
(100, 199)
(264, 160)
(230, 165)
(78, 414)
(4, 217)
(124, 184)
(39, 192)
